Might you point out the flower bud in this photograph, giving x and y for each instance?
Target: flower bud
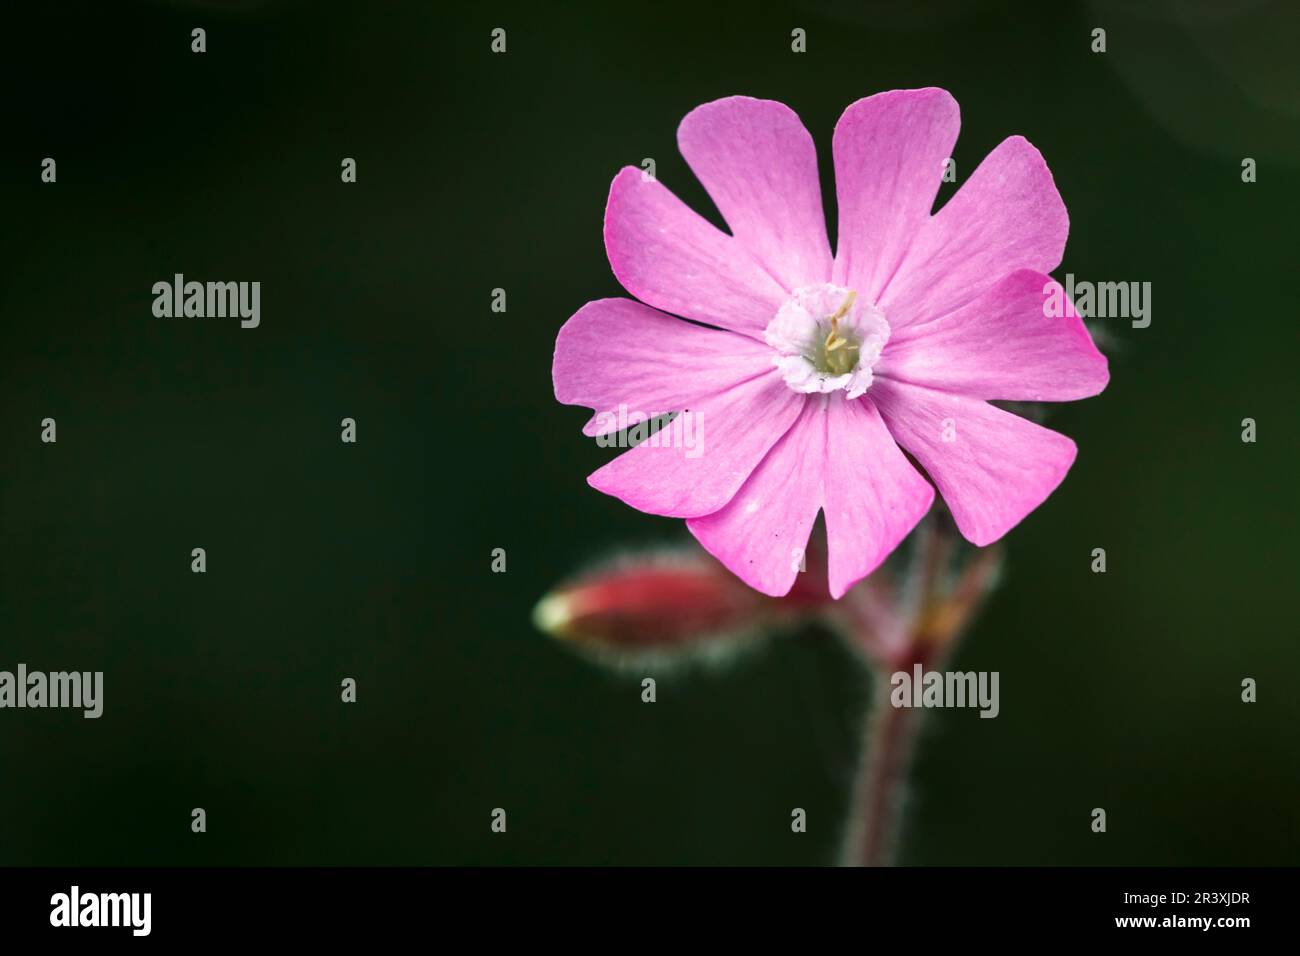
(652, 603)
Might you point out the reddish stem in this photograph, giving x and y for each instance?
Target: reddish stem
(938, 612)
(888, 746)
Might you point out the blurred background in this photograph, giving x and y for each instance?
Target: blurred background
(372, 561)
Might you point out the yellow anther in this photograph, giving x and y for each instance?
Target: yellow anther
(843, 310)
(832, 343)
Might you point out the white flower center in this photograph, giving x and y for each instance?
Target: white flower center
(827, 340)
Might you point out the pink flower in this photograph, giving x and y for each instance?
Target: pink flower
(805, 372)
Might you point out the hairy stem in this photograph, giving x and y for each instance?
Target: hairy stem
(879, 792)
(937, 611)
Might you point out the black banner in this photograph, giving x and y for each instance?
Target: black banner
(1153, 906)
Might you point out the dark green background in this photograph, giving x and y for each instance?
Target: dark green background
(372, 561)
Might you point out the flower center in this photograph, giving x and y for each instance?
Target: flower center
(838, 352)
(826, 340)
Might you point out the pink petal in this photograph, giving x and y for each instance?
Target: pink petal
(759, 165)
(1007, 216)
(996, 468)
(616, 352)
(761, 534)
(736, 428)
(671, 258)
(889, 160)
(874, 496)
(1002, 345)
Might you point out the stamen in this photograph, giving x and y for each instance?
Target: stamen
(832, 343)
(843, 310)
(826, 340)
